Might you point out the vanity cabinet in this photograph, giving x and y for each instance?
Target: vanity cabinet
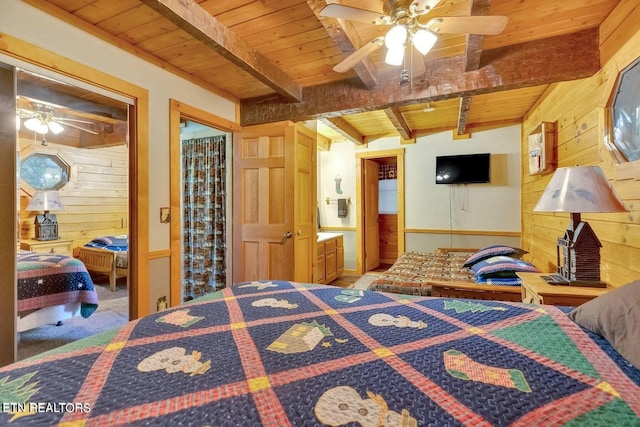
(330, 262)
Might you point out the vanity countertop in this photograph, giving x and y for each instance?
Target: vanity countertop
(326, 236)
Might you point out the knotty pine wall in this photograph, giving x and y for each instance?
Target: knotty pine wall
(96, 198)
(580, 110)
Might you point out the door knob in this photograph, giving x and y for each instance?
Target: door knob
(286, 236)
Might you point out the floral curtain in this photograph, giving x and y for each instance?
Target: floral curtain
(204, 240)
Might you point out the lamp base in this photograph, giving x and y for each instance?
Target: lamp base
(588, 283)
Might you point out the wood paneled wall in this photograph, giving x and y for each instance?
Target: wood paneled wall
(96, 199)
(580, 110)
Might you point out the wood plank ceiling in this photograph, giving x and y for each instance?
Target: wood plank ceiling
(276, 57)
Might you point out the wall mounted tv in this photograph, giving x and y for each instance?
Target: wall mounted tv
(463, 169)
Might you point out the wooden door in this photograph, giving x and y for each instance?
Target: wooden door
(305, 202)
(274, 203)
(263, 198)
(370, 215)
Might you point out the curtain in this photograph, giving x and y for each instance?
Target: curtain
(204, 194)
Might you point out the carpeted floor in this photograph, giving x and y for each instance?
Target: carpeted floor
(113, 311)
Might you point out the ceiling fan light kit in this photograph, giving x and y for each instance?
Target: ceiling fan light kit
(406, 28)
(42, 121)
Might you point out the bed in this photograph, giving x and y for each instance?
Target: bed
(278, 353)
(106, 255)
(444, 274)
(52, 288)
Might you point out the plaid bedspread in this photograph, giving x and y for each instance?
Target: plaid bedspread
(412, 271)
(283, 353)
(46, 279)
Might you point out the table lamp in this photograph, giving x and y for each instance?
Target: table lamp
(46, 225)
(575, 190)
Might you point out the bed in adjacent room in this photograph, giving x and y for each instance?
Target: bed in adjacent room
(277, 353)
(449, 272)
(52, 288)
(106, 255)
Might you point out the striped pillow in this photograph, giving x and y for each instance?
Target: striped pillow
(502, 266)
(494, 250)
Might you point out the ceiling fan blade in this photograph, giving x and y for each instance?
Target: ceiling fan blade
(487, 25)
(79, 128)
(354, 14)
(359, 55)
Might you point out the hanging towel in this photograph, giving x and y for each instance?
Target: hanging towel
(342, 208)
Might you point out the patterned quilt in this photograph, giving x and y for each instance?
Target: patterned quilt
(284, 353)
(412, 271)
(46, 279)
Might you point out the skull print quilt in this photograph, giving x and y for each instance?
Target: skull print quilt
(279, 353)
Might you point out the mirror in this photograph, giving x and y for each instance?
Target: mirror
(44, 171)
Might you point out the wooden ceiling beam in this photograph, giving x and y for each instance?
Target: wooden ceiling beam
(463, 114)
(345, 129)
(511, 67)
(193, 19)
(474, 41)
(398, 122)
(346, 37)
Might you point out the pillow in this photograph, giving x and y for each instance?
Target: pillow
(502, 266)
(494, 250)
(114, 243)
(616, 317)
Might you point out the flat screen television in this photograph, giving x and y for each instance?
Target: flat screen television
(463, 169)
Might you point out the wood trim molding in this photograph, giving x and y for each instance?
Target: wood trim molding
(338, 229)
(163, 253)
(138, 154)
(464, 232)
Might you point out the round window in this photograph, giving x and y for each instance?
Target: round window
(626, 113)
(44, 171)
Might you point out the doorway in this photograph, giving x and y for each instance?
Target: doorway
(72, 148)
(188, 122)
(380, 233)
(28, 56)
(204, 208)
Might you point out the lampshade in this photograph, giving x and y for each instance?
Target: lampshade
(579, 189)
(424, 40)
(36, 125)
(395, 37)
(55, 127)
(45, 201)
(395, 55)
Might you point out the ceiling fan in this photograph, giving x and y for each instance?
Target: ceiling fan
(407, 30)
(42, 119)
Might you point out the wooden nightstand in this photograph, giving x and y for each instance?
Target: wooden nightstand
(60, 246)
(536, 291)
